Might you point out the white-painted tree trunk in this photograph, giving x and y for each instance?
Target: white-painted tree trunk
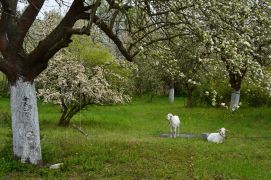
(235, 99)
(171, 95)
(25, 124)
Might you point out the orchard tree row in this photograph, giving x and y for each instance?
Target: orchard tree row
(181, 42)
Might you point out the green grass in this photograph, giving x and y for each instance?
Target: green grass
(124, 143)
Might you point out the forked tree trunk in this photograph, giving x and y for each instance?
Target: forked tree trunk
(68, 113)
(171, 95)
(235, 99)
(65, 118)
(25, 124)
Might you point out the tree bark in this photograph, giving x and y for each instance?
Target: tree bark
(189, 99)
(68, 114)
(25, 124)
(152, 96)
(235, 98)
(63, 122)
(171, 95)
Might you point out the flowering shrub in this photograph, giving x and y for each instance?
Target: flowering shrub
(74, 86)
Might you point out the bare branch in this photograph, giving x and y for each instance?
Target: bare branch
(59, 38)
(113, 19)
(107, 29)
(109, 32)
(25, 22)
(4, 16)
(4, 21)
(65, 41)
(171, 10)
(58, 35)
(9, 12)
(79, 31)
(150, 42)
(93, 12)
(147, 34)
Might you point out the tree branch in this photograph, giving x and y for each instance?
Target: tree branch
(25, 22)
(92, 15)
(4, 21)
(147, 34)
(113, 19)
(114, 5)
(58, 35)
(109, 32)
(66, 40)
(158, 40)
(5, 13)
(171, 10)
(5, 66)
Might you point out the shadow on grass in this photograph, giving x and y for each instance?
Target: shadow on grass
(11, 168)
(8, 164)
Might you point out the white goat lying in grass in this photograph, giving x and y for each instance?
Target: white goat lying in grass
(217, 137)
(174, 122)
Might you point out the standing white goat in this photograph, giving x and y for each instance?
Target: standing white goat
(217, 137)
(174, 122)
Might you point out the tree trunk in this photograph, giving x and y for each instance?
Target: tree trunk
(151, 97)
(189, 99)
(235, 98)
(25, 124)
(171, 95)
(68, 114)
(63, 122)
(235, 82)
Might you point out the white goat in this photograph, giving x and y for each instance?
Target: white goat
(217, 137)
(174, 122)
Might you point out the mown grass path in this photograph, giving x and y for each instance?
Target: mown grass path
(124, 143)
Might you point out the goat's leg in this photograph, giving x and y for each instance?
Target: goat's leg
(171, 132)
(178, 130)
(175, 131)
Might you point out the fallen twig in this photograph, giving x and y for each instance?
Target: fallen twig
(80, 130)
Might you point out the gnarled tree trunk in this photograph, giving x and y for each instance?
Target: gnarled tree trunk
(25, 123)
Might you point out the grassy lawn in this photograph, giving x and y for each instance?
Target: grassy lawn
(124, 143)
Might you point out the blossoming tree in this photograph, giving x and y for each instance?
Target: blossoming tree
(178, 61)
(73, 86)
(239, 33)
